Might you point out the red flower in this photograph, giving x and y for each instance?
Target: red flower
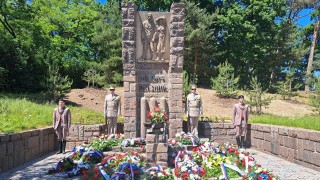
(149, 115)
(156, 108)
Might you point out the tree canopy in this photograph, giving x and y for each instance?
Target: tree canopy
(258, 38)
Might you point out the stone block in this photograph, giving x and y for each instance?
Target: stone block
(303, 134)
(3, 149)
(129, 78)
(266, 128)
(151, 157)
(9, 148)
(314, 136)
(163, 164)
(283, 151)
(26, 134)
(317, 146)
(162, 148)
(91, 128)
(255, 127)
(150, 138)
(151, 148)
(162, 157)
(5, 161)
(312, 158)
(35, 132)
(281, 140)
(283, 131)
(15, 136)
(309, 145)
(290, 142)
(231, 132)
(10, 160)
(33, 142)
(291, 154)
(274, 147)
(51, 140)
(45, 144)
(228, 126)
(258, 134)
(175, 123)
(293, 132)
(4, 138)
(267, 146)
(267, 136)
(18, 153)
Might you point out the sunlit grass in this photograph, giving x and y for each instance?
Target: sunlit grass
(306, 122)
(19, 114)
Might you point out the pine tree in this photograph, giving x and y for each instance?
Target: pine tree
(285, 89)
(225, 84)
(315, 96)
(256, 96)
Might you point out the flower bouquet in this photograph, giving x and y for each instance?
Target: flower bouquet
(130, 167)
(183, 138)
(134, 142)
(106, 142)
(258, 173)
(159, 173)
(186, 168)
(92, 156)
(158, 116)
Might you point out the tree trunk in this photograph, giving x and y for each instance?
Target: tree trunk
(195, 62)
(310, 60)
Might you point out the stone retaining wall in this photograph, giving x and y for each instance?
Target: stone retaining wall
(79, 134)
(296, 145)
(18, 148)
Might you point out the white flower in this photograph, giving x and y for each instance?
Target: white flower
(259, 170)
(241, 156)
(194, 168)
(184, 169)
(209, 164)
(160, 175)
(251, 163)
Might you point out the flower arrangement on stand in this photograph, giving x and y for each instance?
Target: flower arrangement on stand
(158, 116)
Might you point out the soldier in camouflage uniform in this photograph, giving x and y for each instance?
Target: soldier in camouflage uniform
(112, 107)
(240, 116)
(194, 109)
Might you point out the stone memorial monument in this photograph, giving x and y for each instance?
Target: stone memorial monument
(152, 52)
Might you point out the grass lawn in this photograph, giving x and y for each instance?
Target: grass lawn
(306, 122)
(31, 111)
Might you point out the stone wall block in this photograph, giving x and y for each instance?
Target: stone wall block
(314, 136)
(290, 142)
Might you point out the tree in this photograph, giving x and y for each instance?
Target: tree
(315, 96)
(186, 85)
(107, 40)
(57, 85)
(225, 84)
(285, 88)
(198, 39)
(256, 95)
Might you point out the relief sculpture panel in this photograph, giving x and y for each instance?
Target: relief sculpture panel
(153, 39)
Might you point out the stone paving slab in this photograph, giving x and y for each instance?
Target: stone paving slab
(284, 169)
(37, 169)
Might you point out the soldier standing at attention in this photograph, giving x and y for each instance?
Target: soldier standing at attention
(61, 124)
(240, 120)
(194, 109)
(112, 108)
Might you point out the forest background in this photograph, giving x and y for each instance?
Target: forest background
(44, 44)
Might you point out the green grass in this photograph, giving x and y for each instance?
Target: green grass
(19, 113)
(306, 122)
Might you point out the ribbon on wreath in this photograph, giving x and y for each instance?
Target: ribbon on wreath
(192, 137)
(224, 171)
(117, 174)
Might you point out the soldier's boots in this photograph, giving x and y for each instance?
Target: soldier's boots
(238, 142)
(64, 146)
(59, 147)
(242, 142)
